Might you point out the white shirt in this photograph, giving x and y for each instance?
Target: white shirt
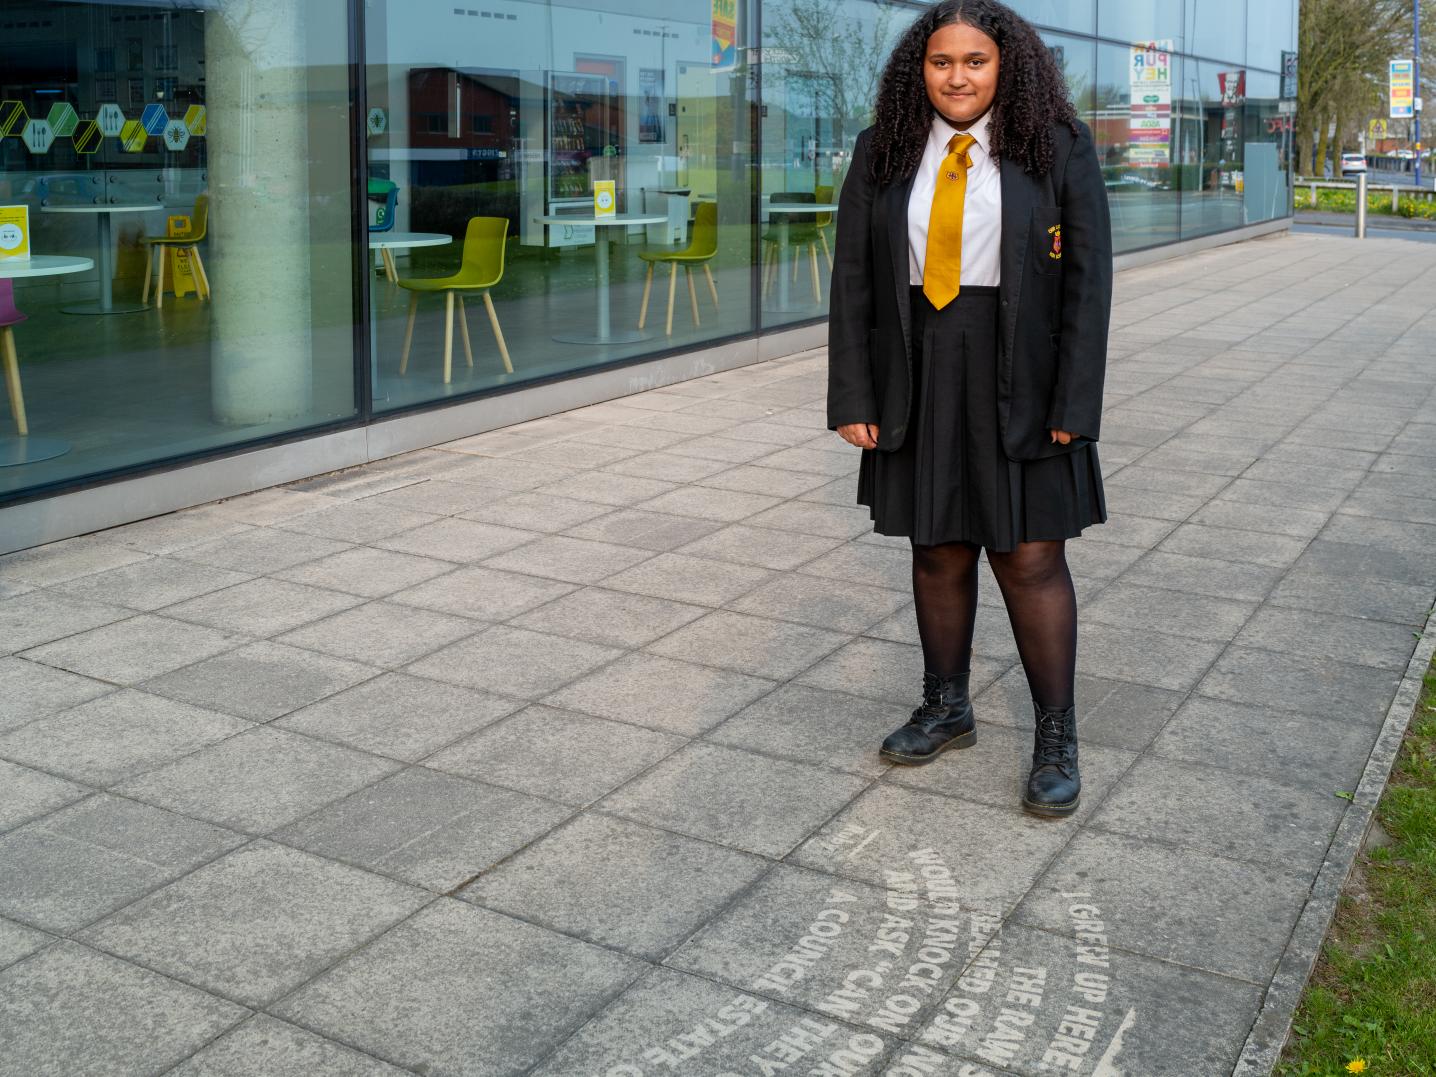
(981, 206)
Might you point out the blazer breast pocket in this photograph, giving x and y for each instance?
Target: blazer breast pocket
(1047, 238)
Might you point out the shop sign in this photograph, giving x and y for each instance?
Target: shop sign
(1233, 87)
(378, 122)
(154, 118)
(1149, 129)
(133, 136)
(111, 120)
(38, 136)
(196, 121)
(87, 137)
(1403, 90)
(725, 35)
(63, 119)
(176, 135)
(15, 232)
(1288, 75)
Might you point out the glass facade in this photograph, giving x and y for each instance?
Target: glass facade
(256, 220)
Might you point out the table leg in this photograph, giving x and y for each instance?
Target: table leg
(107, 271)
(601, 249)
(784, 290)
(105, 266)
(605, 333)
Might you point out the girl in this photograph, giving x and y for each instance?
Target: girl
(971, 294)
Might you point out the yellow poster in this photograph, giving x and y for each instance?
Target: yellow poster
(15, 232)
(605, 198)
(181, 271)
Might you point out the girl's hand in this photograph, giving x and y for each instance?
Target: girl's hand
(863, 435)
(1060, 437)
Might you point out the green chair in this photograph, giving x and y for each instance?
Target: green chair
(190, 241)
(482, 267)
(802, 232)
(700, 251)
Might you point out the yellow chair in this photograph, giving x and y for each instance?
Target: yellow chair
(482, 267)
(700, 251)
(825, 220)
(190, 241)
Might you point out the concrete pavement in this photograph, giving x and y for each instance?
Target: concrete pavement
(552, 750)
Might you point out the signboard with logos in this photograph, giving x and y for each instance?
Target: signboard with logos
(1403, 89)
(15, 233)
(1149, 137)
(1288, 76)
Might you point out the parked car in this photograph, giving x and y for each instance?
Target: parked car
(1352, 162)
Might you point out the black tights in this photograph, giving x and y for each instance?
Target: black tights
(1041, 604)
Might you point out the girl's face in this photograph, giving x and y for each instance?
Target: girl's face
(960, 70)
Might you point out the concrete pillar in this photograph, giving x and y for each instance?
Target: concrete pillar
(261, 352)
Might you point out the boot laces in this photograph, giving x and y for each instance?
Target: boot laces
(933, 708)
(1053, 745)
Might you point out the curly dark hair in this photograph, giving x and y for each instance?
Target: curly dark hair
(1031, 92)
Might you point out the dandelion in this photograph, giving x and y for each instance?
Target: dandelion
(1356, 1065)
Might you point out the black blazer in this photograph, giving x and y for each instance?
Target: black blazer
(1056, 300)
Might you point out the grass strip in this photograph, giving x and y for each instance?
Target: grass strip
(1371, 1004)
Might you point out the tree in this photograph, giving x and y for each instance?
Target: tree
(1345, 46)
(831, 54)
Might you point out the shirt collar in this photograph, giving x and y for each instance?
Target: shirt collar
(981, 131)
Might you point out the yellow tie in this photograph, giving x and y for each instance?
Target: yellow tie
(942, 265)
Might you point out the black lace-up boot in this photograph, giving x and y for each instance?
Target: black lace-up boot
(943, 721)
(1054, 786)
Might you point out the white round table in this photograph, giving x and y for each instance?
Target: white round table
(103, 211)
(25, 449)
(605, 334)
(383, 242)
(782, 211)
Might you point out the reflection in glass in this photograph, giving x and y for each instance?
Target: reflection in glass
(206, 218)
(569, 193)
(1141, 20)
(1058, 14)
(1136, 133)
(822, 61)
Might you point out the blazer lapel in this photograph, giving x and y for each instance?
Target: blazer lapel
(897, 196)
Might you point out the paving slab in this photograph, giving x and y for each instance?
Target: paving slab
(105, 740)
(134, 650)
(569, 758)
(399, 716)
(70, 868)
(32, 690)
(18, 942)
(429, 829)
(70, 1011)
(410, 998)
(256, 923)
(258, 780)
(688, 1024)
(1230, 917)
(274, 1048)
(564, 744)
(737, 798)
(618, 883)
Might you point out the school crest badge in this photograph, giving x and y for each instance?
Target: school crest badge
(1056, 233)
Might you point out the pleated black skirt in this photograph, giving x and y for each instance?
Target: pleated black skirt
(950, 481)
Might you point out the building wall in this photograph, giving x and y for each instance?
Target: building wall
(507, 111)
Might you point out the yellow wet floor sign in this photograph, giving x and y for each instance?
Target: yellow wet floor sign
(181, 276)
